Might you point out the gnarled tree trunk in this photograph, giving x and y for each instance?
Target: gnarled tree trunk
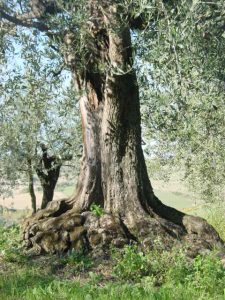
(48, 172)
(113, 171)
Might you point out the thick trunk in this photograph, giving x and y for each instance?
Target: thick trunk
(31, 187)
(113, 171)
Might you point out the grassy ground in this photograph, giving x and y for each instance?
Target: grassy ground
(175, 199)
(129, 274)
(10, 217)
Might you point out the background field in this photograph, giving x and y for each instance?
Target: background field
(173, 193)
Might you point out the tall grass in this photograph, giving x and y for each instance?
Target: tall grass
(215, 215)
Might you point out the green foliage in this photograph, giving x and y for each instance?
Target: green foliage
(38, 104)
(159, 266)
(181, 66)
(132, 265)
(206, 274)
(97, 210)
(95, 277)
(215, 215)
(10, 245)
(81, 261)
(9, 237)
(200, 276)
(169, 266)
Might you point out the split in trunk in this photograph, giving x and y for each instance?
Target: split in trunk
(113, 172)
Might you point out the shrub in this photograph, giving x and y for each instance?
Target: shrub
(10, 245)
(80, 260)
(206, 274)
(132, 265)
(168, 266)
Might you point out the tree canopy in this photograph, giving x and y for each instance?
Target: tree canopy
(181, 76)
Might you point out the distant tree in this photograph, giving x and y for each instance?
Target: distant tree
(48, 170)
(31, 114)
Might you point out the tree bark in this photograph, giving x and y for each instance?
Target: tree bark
(48, 194)
(31, 187)
(48, 172)
(113, 172)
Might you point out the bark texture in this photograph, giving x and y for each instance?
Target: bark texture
(113, 172)
(31, 187)
(48, 172)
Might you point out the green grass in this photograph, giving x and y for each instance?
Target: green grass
(131, 274)
(215, 215)
(175, 199)
(66, 190)
(33, 284)
(205, 279)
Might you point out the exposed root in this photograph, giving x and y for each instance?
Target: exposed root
(47, 233)
(58, 229)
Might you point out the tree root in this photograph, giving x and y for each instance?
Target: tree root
(58, 229)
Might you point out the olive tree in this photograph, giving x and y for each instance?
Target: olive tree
(32, 117)
(95, 40)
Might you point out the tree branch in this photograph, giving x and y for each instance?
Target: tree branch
(25, 20)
